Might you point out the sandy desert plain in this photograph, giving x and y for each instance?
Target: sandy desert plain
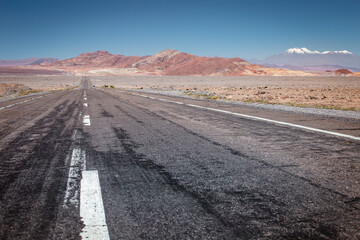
(334, 92)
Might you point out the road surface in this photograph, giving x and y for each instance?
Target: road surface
(116, 164)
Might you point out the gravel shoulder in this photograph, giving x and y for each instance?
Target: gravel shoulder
(320, 96)
(327, 113)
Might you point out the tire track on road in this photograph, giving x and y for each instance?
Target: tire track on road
(33, 175)
(337, 196)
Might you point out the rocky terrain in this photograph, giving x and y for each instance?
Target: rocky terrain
(334, 92)
(168, 62)
(14, 83)
(231, 79)
(99, 59)
(342, 72)
(174, 63)
(13, 89)
(333, 98)
(23, 62)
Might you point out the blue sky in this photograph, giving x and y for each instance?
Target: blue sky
(242, 28)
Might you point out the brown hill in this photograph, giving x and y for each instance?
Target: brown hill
(24, 62)
(174, 63)
(96, 60)
(168, 62)
(342, 72)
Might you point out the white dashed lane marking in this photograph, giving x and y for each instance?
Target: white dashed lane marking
(258, 118)
(77, 163)
(86, 120)
(92, 208)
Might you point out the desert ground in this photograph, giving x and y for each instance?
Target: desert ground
(324, 92)
(19, 85)
(42, 82)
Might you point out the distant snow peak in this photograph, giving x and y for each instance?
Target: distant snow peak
(300, 51)
(337, 52)
(307, 51)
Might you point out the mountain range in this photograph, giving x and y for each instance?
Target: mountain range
(24, 62)
(292, 62)
(167, 62)
(307, 60)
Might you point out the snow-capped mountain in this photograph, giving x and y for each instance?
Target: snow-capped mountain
(338, 52)
(304, 50)
(305, 57)
(300, 51)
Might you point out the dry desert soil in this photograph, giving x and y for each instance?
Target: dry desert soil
(19, 85)
(321, 92)
(324, 92)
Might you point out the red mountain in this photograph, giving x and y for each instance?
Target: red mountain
(172, 62)
(97, 60)
(168, 62)
(342, 72)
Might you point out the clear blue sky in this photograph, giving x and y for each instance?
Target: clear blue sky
(242, 28)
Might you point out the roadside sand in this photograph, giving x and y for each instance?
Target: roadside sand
(332, 97)
(241, 81)
(324, 92)
(13, 89)
(42, 82)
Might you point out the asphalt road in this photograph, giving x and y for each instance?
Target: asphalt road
(116, 164)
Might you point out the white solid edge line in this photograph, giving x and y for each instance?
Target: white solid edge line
(278, 122)
(92, 208)
(25, 101)
(263, 119)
